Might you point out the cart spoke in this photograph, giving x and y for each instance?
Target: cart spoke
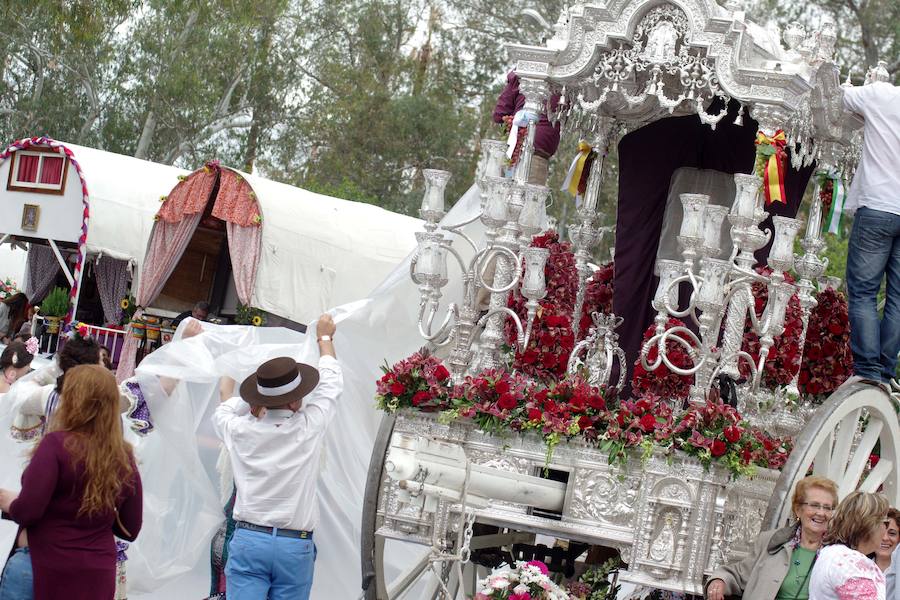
(843, 443)
(860, 457)
(877, 476)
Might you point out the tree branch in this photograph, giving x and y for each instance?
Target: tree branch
(237, 120)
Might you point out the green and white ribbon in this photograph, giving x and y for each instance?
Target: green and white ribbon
(838, 199)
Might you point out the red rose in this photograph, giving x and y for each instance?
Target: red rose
(529, 357)
(501, 387)
(873, 460)
(596, 402)
(441, 373)
(718, 448)
(397, 388)
(836, 328)
(507, 402)
(420, 397)
(732, 434)
(584, 422)
(620, 418)
(549, 360)
(648, 422)
(535, 415)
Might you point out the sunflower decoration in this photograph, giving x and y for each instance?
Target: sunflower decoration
(127, 307)
(248, 315)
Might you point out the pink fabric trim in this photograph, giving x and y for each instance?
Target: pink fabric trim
(857, 588)
(168, 242)
(235, 202)
(189, 197)
(244, 245)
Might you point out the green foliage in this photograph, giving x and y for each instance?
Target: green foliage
(56, 304)
(598, 580)
(248, 315)
(836, 253)
(349, 98)
(867, 30)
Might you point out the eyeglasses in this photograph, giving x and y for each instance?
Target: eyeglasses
(816, 507)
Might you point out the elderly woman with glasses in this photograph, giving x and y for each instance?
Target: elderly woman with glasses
(779, 566)
(843, 570)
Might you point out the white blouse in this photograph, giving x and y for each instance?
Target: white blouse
(841, 573)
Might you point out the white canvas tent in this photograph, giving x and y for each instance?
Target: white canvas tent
(317, 251)
(119, 193)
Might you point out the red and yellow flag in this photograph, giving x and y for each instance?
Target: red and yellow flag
(770, 156)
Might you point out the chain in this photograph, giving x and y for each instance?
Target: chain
(465, 552)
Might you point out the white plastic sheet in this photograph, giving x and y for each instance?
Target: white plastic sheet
(177, 461)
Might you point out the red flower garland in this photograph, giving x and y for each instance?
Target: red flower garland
(828, 361)
(661, 381)
(551, 343)
(784, 355)
(420, 381)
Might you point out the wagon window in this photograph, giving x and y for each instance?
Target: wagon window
(37, 170)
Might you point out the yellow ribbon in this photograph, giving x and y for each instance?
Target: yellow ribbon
(771, 163)
(584, 150)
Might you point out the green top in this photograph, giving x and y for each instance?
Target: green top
(796, 583)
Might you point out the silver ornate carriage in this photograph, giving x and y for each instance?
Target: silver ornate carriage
(620, 65)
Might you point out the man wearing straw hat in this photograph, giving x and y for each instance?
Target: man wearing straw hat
(274, 434)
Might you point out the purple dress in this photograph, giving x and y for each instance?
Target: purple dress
(73, 557)
(546, 136)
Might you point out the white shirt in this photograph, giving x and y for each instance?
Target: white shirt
(841, 573)
(877, 180)
(890, 576)
(275, 459)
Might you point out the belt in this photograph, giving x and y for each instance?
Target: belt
(289, 533)
(542, 154)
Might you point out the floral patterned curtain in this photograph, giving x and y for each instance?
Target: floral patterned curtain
(167, 243)
(41, 268)
(244, 244)
(236, 205)
(112, 283)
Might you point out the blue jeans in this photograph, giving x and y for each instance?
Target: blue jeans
(17, 581)
(263, 565)
(874, 252)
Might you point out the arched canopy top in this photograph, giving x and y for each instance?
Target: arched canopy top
(636, 61)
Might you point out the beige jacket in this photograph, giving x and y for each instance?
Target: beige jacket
(759, 576)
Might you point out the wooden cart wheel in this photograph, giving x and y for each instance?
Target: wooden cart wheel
(837, 443)
(422, 579)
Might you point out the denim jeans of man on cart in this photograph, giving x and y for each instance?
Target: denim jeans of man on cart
(261, 564)
(17, 580)
(873, 254)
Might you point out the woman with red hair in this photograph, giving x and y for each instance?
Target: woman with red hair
(81, 487)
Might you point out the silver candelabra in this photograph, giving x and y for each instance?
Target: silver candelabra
(512, 212)
(722, 288)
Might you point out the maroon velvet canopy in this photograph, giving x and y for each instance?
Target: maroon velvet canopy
(647, 159)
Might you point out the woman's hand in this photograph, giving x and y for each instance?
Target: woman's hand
(715, 590)
(6, 499)
(226, 388)
(191, 329)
